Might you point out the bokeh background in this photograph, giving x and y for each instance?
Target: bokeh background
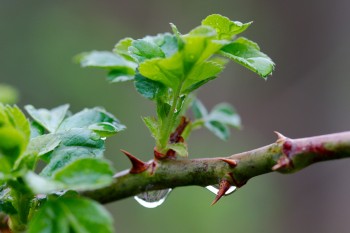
(307, 95)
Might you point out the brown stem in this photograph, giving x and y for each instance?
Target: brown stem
(285, 156)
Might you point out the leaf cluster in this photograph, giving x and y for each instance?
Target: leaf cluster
(167, 68)
(71, 146)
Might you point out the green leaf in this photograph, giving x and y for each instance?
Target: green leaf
(148, 88)
(5, 201)
(247, 53)
(199, 111)
(163, 109)
(200, 74)
(106, 129)
(104, 59)
(180, 41)
(8, 94)
(144, 49)
(88, 117)
(120, 75)
(85, 174)
(49, 119)
(36, 130)
(43, 144)
(71, 214)
(152, 125)
(80, 175)
(225, 114)
(225, 28)
(179, 148)
(75, 144)
(168, 71)
(14, 136)
(159, 46)
(219, 129)
(122, 48)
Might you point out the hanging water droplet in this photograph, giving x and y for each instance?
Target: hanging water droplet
(104, 138)
(215, 189)
(152, 199)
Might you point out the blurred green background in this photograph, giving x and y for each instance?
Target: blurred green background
(307, 95)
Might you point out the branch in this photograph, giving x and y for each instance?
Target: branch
(285, 156)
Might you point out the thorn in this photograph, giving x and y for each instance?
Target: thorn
(280, 137)
(224, 186)
(138, 166)
(231, 162)
(282, 162)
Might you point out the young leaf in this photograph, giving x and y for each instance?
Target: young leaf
(14, 136)
(225, 114)
(88, 117)
(200, 44)
(104, 59)
(201, 73)
(122, 48)
(225, 28)
(218, 120)
(81, 175)
(5, 202)
(75, 144)
(49, 119)
(152, 125)
(247, 53)
(121, 67)
(120, 75)
(168, 71)
(198, 109)
(71, 214)
(36, 130)
(43, 144)
(106, 129)
(219, 129)
(85, 174)
(148, 88)
(180, 41)
(179, 148)
(144, 49)
(159, 46)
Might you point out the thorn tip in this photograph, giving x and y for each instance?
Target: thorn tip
(138, 166)
(224, 186)
(230, 162)
(280, 137)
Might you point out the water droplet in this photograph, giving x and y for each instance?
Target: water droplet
(215, 189)
(104, 138)
(152, 199)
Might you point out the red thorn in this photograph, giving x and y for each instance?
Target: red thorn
(280, 137)
(224, 186)
(138, 166)
(231, 162)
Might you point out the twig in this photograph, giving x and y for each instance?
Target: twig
(285, 155)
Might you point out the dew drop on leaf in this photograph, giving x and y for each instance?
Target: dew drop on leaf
(152, 199)
(215, 189)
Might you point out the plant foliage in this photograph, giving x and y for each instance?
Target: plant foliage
(167, 69)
